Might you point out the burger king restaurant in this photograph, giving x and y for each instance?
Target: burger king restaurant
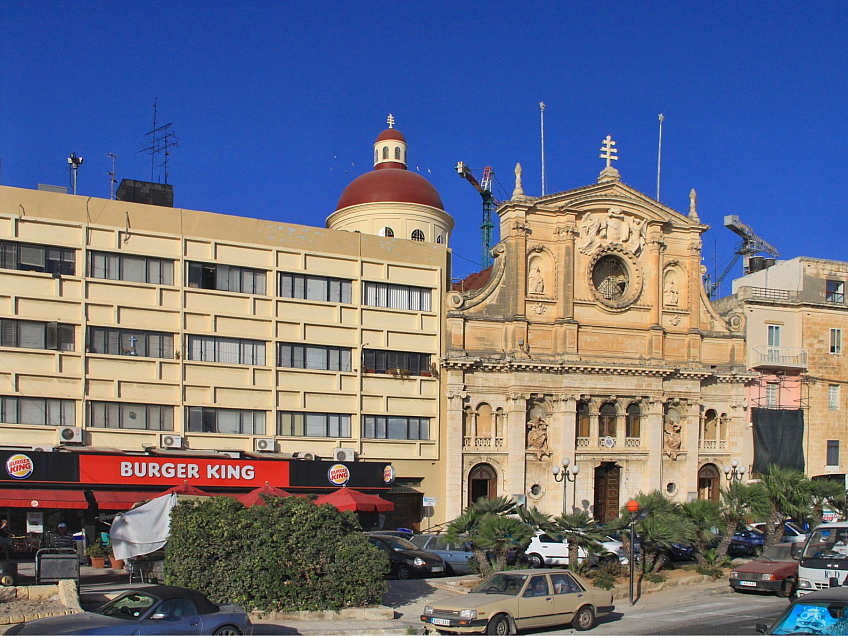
(39, 490)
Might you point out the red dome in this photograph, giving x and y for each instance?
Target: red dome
(390, 133)
(399, 186)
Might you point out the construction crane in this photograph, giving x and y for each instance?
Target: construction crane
(751, 244)
(484, 187)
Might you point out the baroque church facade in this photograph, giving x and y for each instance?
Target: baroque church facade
(593, 344)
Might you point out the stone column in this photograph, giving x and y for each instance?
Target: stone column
(453, 455)
(689, 425)
(652, 437)
(516, 436)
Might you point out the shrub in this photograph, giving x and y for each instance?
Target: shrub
(708, 570)
(604, 581)
(653, 577)
(287, 555)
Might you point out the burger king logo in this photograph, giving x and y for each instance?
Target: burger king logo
(19, 466)
(389, 474)
(338, 474)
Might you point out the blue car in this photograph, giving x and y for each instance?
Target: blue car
(155, 609)
(749, 541)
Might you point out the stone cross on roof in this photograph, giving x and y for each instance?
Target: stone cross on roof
(607, 150)
(391, 121)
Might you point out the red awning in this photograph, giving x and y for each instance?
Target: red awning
(44, 499)
(111, 500)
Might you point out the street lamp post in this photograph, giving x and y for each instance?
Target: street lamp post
(734, 472)
(633, 507)
(567, 475)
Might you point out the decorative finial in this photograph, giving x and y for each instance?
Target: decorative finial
(693, 212)
(542, 105)
(607, 151)
(391, 120)
(518, 193)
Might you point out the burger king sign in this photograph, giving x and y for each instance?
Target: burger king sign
(339, 474)
(19, 466)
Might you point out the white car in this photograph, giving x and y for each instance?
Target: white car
(791, 532)
(545, 550)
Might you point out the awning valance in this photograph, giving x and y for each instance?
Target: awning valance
(44, 499)
(115, 500)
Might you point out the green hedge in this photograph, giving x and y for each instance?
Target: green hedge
(285, 556)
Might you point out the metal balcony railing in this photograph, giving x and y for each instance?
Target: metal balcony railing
(779, 357)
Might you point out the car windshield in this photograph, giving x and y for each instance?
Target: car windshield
(777, 552)
(813, 618)
(396, 543)
(130, 606)
(509, 584)
(827, 543)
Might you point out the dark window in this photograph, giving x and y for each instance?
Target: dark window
(833, 452)
(634, 421)
(385, 152)
(149, 417)
(418, 235)
(37, 258)
(296, 424)
(835, 291)
(321, 288)
(130, 342)
(129, 267)
(395, 427)
(297, 356)
(398, 296)
(226, 278)
(397, 153)
(226, 350)
(390, 361)
(606, 421)
(29, 334)
(41, 411)
(387, 231)
(582, 419)
(230, 421)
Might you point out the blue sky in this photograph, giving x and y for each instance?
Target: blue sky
(276, 104)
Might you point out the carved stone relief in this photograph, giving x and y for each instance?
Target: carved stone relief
(600, 229)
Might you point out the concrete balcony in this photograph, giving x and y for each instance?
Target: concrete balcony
(781, 358)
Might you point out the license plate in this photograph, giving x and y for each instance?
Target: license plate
(437, 568)
(748, 583)
(440, 621)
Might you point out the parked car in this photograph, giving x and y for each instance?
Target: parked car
(775, 570)
(155, 609)
(752, 540)
(821, 612)
(521, 599)
(791, 532)
(545, 550)
(455, 555)
(406, 560)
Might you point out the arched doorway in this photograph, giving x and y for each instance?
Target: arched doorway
(607, 482)
(709, 482)
(482, 482)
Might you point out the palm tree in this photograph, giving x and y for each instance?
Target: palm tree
(705, 515)
(578, 530)
(827, 493)
(790, 494)
(466, 527)
(740, 502)
(660, 524)
(501, 534)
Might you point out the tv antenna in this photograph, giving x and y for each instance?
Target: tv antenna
(112, 180)
(74, 163)
(162, 138)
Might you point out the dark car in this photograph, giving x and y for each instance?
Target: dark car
(155, 609)
(824, 612)
(406, 560)
(752, 540)
(775, 570)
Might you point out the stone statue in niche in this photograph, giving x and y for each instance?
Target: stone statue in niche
(671, 297)
(672, 435)
(537, 281)
(537, 437)
(600, 229)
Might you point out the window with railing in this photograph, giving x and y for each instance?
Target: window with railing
(243, 280)
(149, 417)
(30, 334)
(320, 288)
(398, 296)
(30, 257)
(318, 357)
(835, 292)
(395, 427)
(36, 410)
(298, 424)
(403, 362)
(130, 342)
(583, 424)
(226, 350)
(202, 419)
(130, 267)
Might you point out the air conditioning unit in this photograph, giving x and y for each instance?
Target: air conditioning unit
(230, 454)
(344, 454)
(302, 455)
(43, 449)
(70, 435)
(170, 441)
(264, 444)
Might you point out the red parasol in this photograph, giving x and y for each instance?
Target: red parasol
(254, 497)
(185, 489)
(350, 499)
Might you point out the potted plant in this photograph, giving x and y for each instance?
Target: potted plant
(97, 555)
(115, 564)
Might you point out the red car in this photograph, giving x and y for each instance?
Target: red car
(775, 570)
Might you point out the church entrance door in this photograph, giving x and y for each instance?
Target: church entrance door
(607, 482)
(482, 482)
(709, 482)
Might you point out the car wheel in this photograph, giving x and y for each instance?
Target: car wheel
(403, 572)
(498, 625)
(787, 588)
(227, 630)
(584, 619)
(535, 560)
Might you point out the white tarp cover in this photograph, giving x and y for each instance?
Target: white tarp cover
(144, 529)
